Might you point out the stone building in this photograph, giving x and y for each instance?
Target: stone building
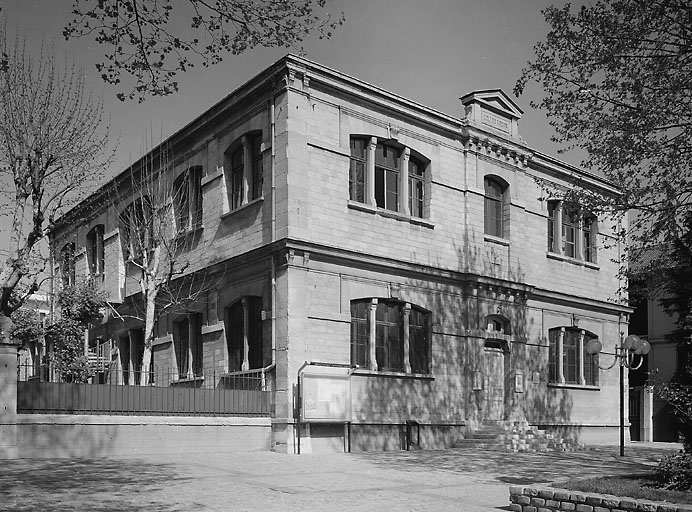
(417, 254)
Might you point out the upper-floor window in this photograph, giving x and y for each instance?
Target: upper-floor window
(401, 341)
(387, 175)
(67, 269)
(95, 251)
(495, 207)
(568, 360)
(244, 177)
(571, 231)
(187, 199)
(137, 224)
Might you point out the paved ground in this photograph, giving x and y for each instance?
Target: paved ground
(459, 479)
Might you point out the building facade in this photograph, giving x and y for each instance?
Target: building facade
(418, 253)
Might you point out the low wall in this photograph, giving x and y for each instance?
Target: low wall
(55, 436)
(548, 499)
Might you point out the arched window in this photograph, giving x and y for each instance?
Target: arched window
(401, 341)
(568, 360)
(67, 264)
(137, 222)
(495, 192)
(388, 175)
(95, 252)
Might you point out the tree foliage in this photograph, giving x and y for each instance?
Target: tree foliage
(146, 41)
(617, 77)
(27, 326)
(80, 304)
(52, 148)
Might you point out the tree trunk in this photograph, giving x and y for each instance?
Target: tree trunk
(6, 326)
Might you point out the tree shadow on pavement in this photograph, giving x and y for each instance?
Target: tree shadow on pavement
(522, 468)
(85, 484)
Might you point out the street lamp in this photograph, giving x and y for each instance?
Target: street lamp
(632, 349)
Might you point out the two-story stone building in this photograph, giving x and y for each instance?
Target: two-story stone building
(340, 223)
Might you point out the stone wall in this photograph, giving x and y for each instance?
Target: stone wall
(546, 499)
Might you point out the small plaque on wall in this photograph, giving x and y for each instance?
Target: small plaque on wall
(518, 382)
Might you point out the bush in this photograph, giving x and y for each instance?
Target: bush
(67, 336)
(675, 472)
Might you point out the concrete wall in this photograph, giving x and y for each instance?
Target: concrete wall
(52, 436)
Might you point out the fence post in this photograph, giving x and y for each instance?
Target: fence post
(8, 401)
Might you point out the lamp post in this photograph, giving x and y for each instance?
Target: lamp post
(632, 350)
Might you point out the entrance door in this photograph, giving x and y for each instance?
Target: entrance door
(494, 385)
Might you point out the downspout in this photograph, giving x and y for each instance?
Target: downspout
(272, 116)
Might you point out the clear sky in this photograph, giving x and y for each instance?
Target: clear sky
(430, 51)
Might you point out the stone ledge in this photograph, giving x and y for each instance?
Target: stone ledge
(549, 499)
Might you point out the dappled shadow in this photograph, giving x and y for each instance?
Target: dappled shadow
(521, 468)
(85, 484)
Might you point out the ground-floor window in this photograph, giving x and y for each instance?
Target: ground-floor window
(390, 335)
(245, 336)
(187, 340)
(568, 360)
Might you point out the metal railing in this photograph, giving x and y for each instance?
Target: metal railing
(211, 393)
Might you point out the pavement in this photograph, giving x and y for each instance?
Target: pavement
(462, 479)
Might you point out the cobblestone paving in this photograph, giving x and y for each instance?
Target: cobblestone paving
(460, 480)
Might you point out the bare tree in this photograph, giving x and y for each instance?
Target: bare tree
(53, 145)
(146, 41)
(160, 224)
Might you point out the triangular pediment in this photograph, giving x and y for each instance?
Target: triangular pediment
(495, 100)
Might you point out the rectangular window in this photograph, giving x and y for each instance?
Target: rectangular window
(360, 334)
(388, 338)
(553, 340)
(552, 212)
(590, 367)
(257, 169)
(356, 174)
(569, 357)
(419, 347)
(494, 199)
(416, 185)
(67, 264)
(237, 168)
(387, 177)
(569, 233)
(96, 252)
(587, 237)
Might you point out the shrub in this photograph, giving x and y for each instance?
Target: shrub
(675, 472)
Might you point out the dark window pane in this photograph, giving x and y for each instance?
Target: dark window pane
(360, 333)
(419, 346)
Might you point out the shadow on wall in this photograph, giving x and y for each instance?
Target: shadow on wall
(451, 402)
(56, 440)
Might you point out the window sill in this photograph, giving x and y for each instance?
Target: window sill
(390, 214)
(585, 387)
(373, 373)
(185, 232)
(573, 261)
(242, 207)
(187, 381)
(496, 240)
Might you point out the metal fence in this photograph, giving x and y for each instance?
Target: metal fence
(246, 393)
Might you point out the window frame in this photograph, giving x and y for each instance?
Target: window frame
(67, 264)
(388, 176)
(244, 171)
(564, 218)
(96, 252)
(569, 363)
(245, 337)
(495, 215)
(390, 336)
(188, 355)
(187, 199)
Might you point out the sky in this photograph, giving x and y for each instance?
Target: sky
(429, 51)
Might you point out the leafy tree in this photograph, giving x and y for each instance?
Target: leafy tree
(27, 326)
(52, 148)
(80, 305)
(617, 77)
(146, 42)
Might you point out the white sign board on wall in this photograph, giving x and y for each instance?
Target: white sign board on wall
(325, 394)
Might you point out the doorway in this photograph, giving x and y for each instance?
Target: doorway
(494, 381)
